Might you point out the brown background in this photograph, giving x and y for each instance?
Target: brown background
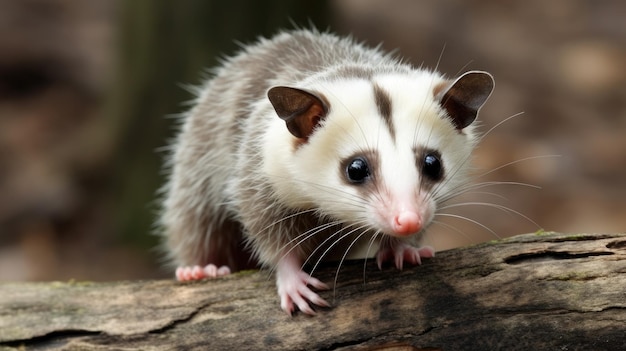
(86, 88)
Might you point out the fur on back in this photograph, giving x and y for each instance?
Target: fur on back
(232, 139)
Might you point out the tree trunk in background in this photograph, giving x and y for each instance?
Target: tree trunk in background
(165, 47)
(542, 291)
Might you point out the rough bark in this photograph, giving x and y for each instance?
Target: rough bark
(543, 291)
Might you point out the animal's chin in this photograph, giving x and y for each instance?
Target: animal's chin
(401, 235)
(387, 230)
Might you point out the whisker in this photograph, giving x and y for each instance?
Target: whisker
(320, 245)
(516, 162)
(501, 197)
(499, 124)
(295, 214)
(458, 73)
(439, 59)
(344, 257)
(451, 227)
(335, 243)
(356, 121)
(499, 207)
(353, 198)
(468, 188)
(418, 126)
(469, 220)
(302, 238)
(369, 248)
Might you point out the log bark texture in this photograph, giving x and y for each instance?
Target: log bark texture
(543, 291)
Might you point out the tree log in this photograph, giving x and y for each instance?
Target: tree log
(542, 291)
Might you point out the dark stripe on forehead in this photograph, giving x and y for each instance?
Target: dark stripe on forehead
(383, 103)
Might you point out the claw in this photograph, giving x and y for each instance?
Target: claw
(403, 253)
(294, 287)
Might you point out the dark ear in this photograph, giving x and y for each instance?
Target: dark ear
(463, 97)
(301, 110)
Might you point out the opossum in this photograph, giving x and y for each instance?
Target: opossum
(309, 146)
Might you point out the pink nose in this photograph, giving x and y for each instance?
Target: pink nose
(406, 222)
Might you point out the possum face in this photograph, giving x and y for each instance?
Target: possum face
(376, 154)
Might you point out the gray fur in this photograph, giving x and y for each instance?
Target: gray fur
(215, 197)
(213, 186)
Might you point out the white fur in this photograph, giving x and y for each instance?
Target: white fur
(309, 176)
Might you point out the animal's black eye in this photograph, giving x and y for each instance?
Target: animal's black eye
(431, 166)
(357, 170)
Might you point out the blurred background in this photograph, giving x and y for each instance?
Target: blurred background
(88, 89)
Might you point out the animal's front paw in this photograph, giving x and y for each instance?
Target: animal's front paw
(294, 288)
(188, 273)
(401, 252)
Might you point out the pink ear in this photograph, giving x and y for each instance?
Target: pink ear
(464, 97)
(301, 110)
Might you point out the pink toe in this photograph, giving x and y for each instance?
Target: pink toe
(179, 274)
(427, 252)
(210, 271)
(223, 270)
(197, 273)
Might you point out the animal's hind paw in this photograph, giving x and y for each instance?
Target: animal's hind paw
(188, 273)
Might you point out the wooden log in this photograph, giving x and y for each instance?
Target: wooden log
(543, 291)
